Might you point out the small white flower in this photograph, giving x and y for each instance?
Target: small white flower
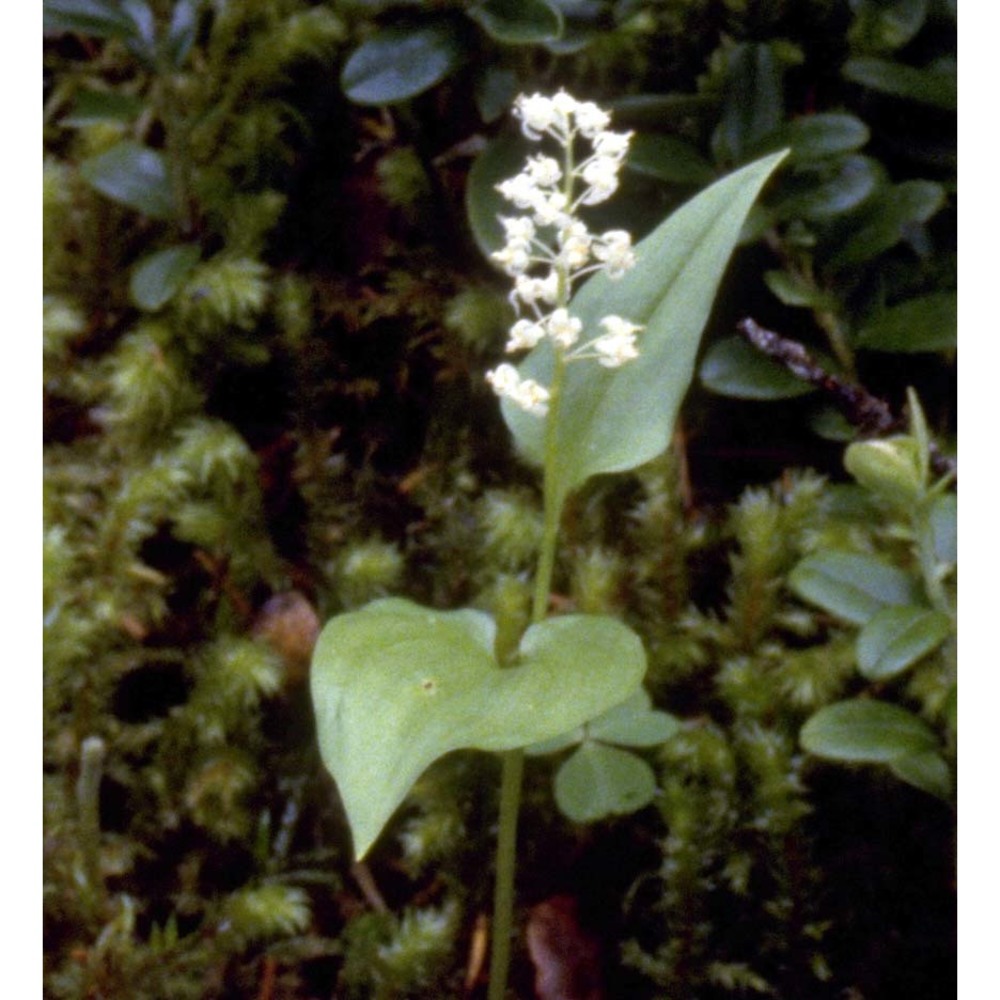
(574, 245)
(526, 393)
(614, 250)
(601, 176)
(544, 171)
(617, 345)
(612, 144)
(521, 190)
(563, 328)
(514, 258)
(537, 114)
(519, 227)
(524, 335)
(532, 290)
(564, 106)
(590, 119)
(550, 210)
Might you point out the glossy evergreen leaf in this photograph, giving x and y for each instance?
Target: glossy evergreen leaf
(634, 723)
(866, 731)
(732, 367)
(791, 290)
(926, 323)
(97, 107)
(825, 194)
(495, 89)
(612, 420)
(897, 637)
(850, 585)
(936, 87)
(599, 781)
(132, 175)
(886, 25)
(518, 22)
(396, 685)
(502, 158)
(753, 103)
(884, 220)
(182, 32)
(99, 18)
(944, 525)
(157, 278)
(397, 63)
(927, 771)
(669, 159)
(818, 136)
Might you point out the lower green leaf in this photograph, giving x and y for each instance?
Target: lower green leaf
(927, 771)
(599, 781)
(897, 637)
(396, 686)
(156, 279)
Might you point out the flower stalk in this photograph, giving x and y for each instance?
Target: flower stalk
(547, 251)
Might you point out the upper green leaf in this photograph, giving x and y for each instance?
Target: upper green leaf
(156, 279)
(395, 686)
(612, 420)
(599, 781)
(897, 637)
(926, 323)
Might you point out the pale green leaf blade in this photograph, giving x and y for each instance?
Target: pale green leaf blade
(863, 731)
(634, 723)
(599, 781)
(851, 585)
(396, 686)
(897, 637)
(612, 420)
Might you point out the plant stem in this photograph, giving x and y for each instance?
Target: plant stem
(512, 762)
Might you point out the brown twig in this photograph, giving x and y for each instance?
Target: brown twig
(872, 416)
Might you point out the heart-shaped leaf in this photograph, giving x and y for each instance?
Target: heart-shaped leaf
(396, 685)
(612, 420)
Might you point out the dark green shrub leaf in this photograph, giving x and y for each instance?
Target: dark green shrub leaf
(816, 137)
(823, 195)
(158, 277)
(182, 32)
(96, 107)
(926, 323)
(669, 159)
(398, 63)
(518, 22)
(100, 18)
(927, 771)
(664, 111)
(731, 367)
(850, 585)
(936, 87)
(612, 420)
(133, 175)
(944, 525)
(495, 90)
(753, 104)
(634, 723)
(396, 685)
(897, 637)
(793, 291)
(599, 781)
(864, 731)
(884, 220)
(886, 25)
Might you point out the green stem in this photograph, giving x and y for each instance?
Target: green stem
(512, 762)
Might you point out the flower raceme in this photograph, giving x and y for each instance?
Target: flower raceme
(550, 248)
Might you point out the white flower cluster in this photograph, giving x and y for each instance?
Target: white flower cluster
(550, 248)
